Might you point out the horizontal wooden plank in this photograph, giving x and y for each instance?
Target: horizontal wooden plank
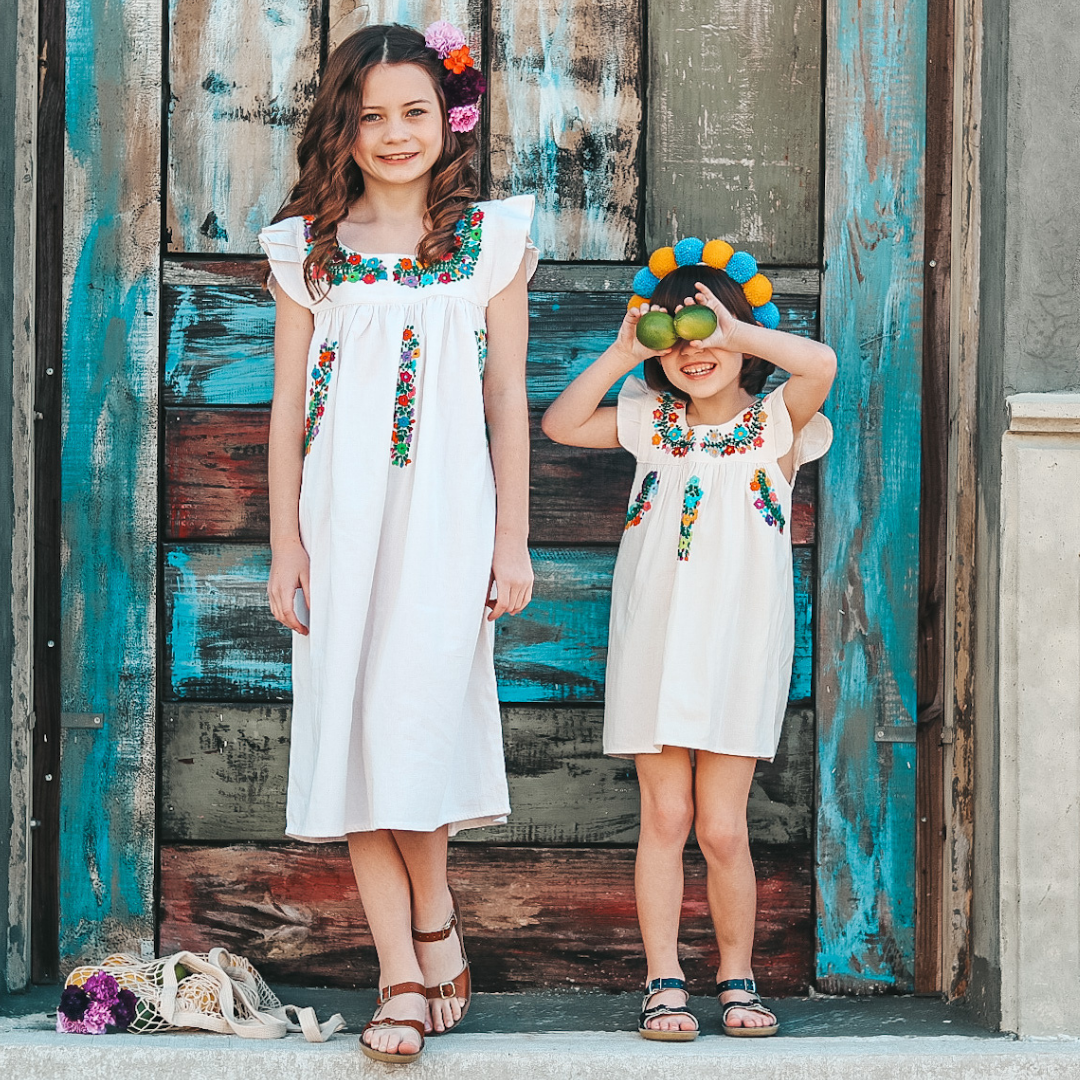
(219, 340)
(224, 767)
(215, 483)
(221, 643)
(532, 917)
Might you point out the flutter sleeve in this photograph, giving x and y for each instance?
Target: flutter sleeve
(810, 444)
(285, 249)
(505, 240)
(635, 407)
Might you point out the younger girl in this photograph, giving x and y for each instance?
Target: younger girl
(398, 493)
(702, 611)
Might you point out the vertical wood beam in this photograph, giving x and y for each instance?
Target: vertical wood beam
(109, 467)
(875, 109)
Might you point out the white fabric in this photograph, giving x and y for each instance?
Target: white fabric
(700, 650)
(395, 720)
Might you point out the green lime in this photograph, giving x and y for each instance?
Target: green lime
(656, 330)
(695, 323)
(180, 971)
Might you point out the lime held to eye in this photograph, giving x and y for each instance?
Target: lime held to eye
(695, 323)
(656, 330)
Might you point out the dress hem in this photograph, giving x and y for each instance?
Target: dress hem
(656, 748)
(457, 825)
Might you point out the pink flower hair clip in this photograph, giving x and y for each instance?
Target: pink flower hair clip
(463, 85)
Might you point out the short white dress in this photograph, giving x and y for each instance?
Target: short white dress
(395, 718)
(702, 610)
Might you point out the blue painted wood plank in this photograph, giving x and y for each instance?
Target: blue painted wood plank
(219, 340)
(109, 466)
(869, 497)
(221, 643)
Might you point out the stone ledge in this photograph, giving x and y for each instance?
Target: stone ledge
(1044, 413)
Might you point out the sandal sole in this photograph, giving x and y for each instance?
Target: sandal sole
(751, 1032)
(388, 1059)
(667, 1036)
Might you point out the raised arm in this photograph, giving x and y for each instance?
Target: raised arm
(575, 416)
(293, 327)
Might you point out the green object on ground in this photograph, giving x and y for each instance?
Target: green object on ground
(695, 323)
(656, 330)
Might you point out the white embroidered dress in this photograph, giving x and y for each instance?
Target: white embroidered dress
(702, 610)
(395, 719)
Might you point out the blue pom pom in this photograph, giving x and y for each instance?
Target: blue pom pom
(645, 281)
(688, 251)
(741, 267)
(768, 315)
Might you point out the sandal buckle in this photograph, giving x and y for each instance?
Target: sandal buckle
(447, 990)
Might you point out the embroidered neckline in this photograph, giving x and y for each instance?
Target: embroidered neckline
(468, 236)
(671, 435)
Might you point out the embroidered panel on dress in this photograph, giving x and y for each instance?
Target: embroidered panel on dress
(460, 264)
(320, 386)
(642, 503)
(669, 434)
(743, 436)
(691, 497)
(767, 501)
(345, 265)
(481, 350)
(405, 400)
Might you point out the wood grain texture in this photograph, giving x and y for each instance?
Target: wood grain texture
(109, 460)
(869, 524)
(533, 917)
(216, 489)
(242, 76)
(219, 339)
(565, 115)
(224, 767)
(221, 643)
(348, 16)
(735, 126)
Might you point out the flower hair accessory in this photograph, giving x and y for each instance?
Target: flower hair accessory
(463, 84)
(740, 266)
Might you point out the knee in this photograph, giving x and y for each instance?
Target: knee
(667, 820)
(722, 840)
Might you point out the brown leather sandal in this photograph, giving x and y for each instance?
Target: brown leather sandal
(385, 994)
(460, 986)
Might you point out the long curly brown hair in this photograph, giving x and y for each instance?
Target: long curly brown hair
(331, 181)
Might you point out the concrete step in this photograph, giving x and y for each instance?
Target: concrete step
(548, 1036)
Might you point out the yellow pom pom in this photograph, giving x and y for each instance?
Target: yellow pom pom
(717, 253)
(636, 302)
(758, 290)
(662, 261)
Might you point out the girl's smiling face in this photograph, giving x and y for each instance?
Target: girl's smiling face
(401, 125)
(701, 373)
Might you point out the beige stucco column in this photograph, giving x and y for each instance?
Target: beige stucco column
(1039, 688)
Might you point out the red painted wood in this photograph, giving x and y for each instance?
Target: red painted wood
(215, 483)
(533, 917)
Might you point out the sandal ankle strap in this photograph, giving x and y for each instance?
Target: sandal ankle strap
(654, 986)
(437, 935)
(737, 984)
(387, 992)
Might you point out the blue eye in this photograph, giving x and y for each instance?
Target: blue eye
(368, 117)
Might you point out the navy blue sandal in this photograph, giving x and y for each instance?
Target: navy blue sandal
(647, 1013)
(753, 1004)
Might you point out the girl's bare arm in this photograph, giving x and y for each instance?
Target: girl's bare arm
(293, 328)
(506, 408)
(575, 416)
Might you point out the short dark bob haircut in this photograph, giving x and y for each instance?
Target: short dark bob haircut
(673, 290)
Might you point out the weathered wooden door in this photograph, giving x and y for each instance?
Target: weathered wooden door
(707, 124)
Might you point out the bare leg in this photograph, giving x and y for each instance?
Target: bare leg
(722, 786)
(440, 961)
(383, 881)
(666, 781)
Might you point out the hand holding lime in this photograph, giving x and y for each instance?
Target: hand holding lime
(656, 330)
(694, 323)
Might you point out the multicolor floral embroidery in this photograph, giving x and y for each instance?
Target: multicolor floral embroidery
(642, 502)
(459, 264)
(669, 433)
(405, 400)
(320, 386)
(691, 497)
(744, 435)
(768, 502)
(481, 349)
(346, 265)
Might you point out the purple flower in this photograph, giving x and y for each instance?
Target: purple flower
(103, 988)
(464, 118)
(124, 1010)
(73, 1002)
(464, 89)
(444, 38)
(98, 1017)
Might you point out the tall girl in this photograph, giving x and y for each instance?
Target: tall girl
(702, 613)
(398, 493)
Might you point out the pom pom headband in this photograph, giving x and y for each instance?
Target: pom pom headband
(740, 266)
(463, 85)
